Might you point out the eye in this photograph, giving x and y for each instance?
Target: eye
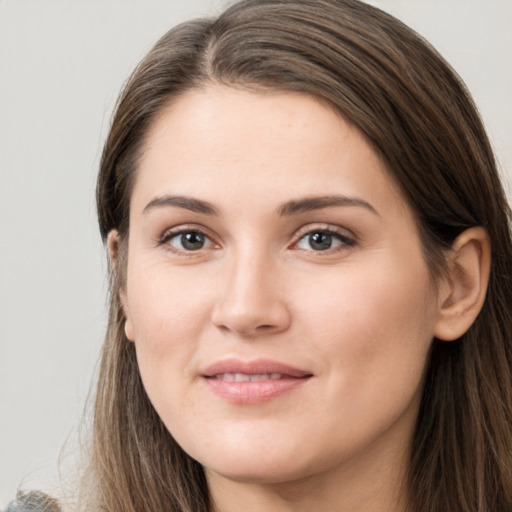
(323, 240)
(187, 241)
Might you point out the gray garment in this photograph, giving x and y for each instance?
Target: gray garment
(33, 501)
(14, 508)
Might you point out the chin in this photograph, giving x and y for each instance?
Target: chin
(260, 473)
(260, 466)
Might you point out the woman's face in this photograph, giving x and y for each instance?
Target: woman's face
(277, 294)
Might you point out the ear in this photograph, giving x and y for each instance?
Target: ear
(113, 253)
(113, 247)
(463, 288)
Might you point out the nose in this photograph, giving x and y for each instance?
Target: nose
(250, 302)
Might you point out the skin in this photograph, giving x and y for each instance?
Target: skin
(359, 317)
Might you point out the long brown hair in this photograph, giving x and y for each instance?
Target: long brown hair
(418, 116)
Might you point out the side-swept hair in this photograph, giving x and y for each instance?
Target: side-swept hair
(415, 111)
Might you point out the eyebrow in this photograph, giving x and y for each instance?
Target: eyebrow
(317, 203)
(290, 208)
(187, 203)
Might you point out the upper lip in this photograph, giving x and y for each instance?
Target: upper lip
(254, 367)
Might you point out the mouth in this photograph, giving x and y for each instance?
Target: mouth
(244, 377)
(252, 382)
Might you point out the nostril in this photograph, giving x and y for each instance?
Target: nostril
(249, 314)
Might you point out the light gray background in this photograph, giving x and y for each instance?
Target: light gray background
(62, 64)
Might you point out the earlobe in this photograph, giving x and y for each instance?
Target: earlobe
(128, 328)
(464, 285)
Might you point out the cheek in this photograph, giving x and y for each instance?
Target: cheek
(374, 326)
(163, 305)
(168, 313)
(373, 334)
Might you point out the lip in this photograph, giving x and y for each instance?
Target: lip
(258, 366)
(253, 392)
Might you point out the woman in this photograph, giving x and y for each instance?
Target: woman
(311, 274)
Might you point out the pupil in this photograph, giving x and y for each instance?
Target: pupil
(320, 241)
(192, 241)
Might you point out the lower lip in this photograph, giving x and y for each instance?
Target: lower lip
(256, 392)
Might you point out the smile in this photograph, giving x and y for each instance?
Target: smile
(252, 382)
(244, 377)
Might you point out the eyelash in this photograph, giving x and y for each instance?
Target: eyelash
(165, 239)
(344, 240)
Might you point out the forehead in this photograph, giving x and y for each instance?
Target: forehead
(235, 142)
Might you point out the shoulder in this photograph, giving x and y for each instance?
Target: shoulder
(33, 501)
(13, 507)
